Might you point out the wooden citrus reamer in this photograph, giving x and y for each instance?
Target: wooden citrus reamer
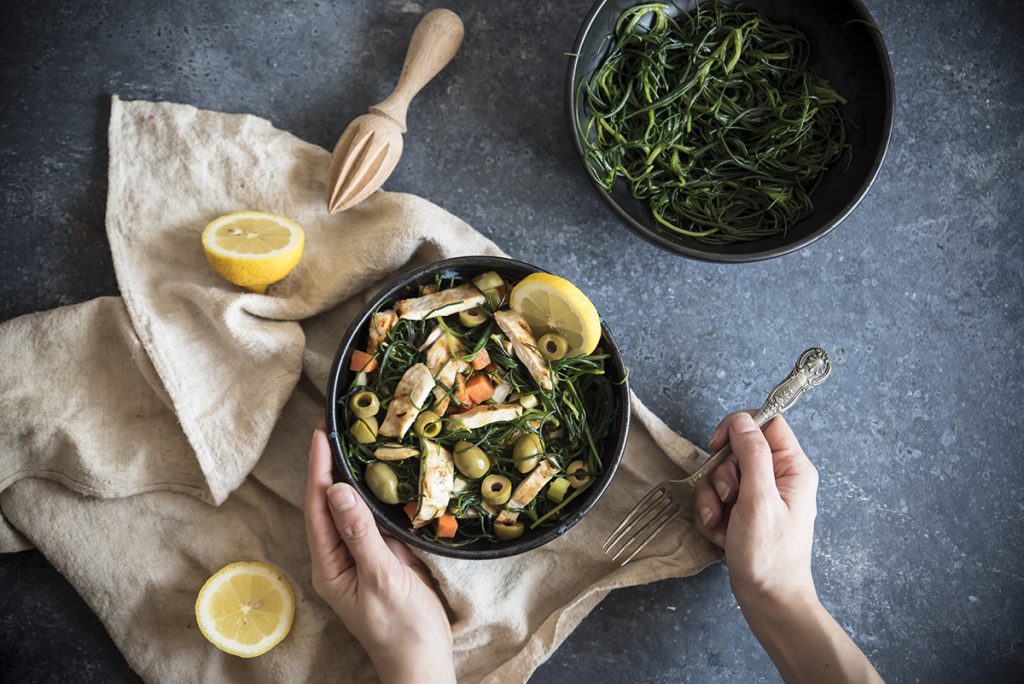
(370, 147)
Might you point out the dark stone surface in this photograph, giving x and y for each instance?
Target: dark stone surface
(918, 295)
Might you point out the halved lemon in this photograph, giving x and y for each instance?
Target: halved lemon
(246, 609)
(553, 304)
(253, 248)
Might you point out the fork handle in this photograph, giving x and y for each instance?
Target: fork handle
(812, 368)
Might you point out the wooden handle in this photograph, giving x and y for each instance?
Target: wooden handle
(434, 42)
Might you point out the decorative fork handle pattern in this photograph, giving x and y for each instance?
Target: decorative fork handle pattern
(812, 368)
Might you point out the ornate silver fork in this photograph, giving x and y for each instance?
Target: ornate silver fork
(672, 497)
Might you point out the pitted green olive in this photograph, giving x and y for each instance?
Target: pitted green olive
(553, 346)
(575, 480)
(471, 460)
(508, 532)
(496, 489)
(383, 482)
(364, 404)
(428, 424)
(364, 430)
(527, 452)
(471, 318)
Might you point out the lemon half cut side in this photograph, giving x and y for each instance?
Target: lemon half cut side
(253, 249)
(246, 608)
(553, 304)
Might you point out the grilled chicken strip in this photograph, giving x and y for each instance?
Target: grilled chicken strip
(437, 478)
(485, 414)
(380, 325)
(527, 491)
(395, 452)
(452, 300)
(525, 347)
(410, 395)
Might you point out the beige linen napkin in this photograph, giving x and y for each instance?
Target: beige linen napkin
(148, 440)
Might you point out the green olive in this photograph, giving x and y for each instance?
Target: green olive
(508, 532)
(575, 480)
(364, 404)
(527, 452)
(488, 281)
(490, 284)
(473, 317)
(364, 430)
(383, 482)
(471, 460)
(496, 489)
(528, 401)
(553, 346)
(428, 424)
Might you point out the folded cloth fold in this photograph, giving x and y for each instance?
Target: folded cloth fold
(147, 440)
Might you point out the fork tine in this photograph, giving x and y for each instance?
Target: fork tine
(667, 518)
(630, 518)
(649, 519)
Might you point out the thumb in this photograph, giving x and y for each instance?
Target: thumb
(354, 521)
(753, 456)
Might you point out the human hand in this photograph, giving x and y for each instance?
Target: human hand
(759, 505)
(377, 587)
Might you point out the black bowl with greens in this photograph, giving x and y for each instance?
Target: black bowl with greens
(730, 131)
(580, 425)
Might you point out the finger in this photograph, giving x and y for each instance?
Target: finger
(329, 555)
(754, 457)
(401, 552)
(359, 533)
(781, 437)
(725, 479)
(721, 433)
(707, 509)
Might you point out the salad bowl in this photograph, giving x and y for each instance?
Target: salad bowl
(391, 517)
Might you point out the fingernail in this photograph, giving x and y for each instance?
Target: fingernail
(313, 440)
(744, 423)
(705, 515)
(720, 539)
(723, 490)
(340, 496)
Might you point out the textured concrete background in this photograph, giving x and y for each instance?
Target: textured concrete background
(918, 296)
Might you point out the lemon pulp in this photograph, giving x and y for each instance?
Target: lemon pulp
(553, 304)
(252, 248)
(246, 609)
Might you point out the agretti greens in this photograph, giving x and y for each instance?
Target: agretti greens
(713, 118)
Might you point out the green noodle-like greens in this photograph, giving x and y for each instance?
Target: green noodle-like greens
(714, 118)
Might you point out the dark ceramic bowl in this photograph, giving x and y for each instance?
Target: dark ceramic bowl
(393, 518)
(845, 50)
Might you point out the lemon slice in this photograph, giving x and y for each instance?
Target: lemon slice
(246, 609)
(252, 248)
(553, 304)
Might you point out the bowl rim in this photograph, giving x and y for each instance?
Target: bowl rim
(662, 241)
(342, 473)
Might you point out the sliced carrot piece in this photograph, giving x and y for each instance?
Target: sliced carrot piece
(361, 361)
(479, 389)
(447, 525)
(460, 393)
(481, 360)
(410, 509)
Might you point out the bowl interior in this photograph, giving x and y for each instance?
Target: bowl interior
(845, 50)
(392, 518)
